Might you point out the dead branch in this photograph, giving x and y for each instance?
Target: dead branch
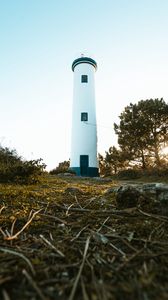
(12, 227)
(3, 233)
(5, 295)
(52, 246)
(5, 250)
(118, 250)
(9, 238)
(53, 218)
(129, 259)
(34, 285)
(71, 297)
(158, 217)
(79, 233)
(1, 209)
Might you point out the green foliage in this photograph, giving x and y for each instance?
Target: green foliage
(15, 170)
(113, 161)
(63, 167)
(156, 172)
(104, 169)
(143, 130)
(8, 157)
(129, 174)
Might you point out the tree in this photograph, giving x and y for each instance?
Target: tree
(102, 165)
(8, 157)
(116, 159)
(143, 130)
(113, 161)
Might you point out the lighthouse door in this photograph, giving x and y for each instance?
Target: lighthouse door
(84, 164)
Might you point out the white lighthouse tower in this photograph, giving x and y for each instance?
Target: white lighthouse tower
(84, 129)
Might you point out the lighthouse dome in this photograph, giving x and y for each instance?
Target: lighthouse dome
(83, 60)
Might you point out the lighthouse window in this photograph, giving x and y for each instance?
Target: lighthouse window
(84, 116)
(84, 78)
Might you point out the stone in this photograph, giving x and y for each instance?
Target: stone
(111, 190)
(151, 197)
(65, 174)
(128, 196)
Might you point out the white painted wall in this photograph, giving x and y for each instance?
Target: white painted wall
(84, 134)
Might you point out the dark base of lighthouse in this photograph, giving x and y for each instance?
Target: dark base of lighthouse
(90, 172)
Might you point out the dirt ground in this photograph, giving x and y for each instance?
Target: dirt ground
(65, 239)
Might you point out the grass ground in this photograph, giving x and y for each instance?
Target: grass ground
(65, 239)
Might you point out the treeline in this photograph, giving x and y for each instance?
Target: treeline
(13, 169)
(142, 135)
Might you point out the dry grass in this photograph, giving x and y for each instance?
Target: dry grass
(64, 239)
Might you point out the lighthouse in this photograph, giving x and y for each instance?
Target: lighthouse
(83, 158)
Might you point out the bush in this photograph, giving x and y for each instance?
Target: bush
(129, 174)
(63, 167)
(14, 170)
(156, 172)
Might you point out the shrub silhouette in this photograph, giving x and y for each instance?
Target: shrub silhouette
(14, 169)
(63, 167)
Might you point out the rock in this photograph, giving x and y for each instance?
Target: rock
(111, 190)
(162, 192)
(128, 196)
(65, 174)
(132, 195)
(163, 197)
(158, 190)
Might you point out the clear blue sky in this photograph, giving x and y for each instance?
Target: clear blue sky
(39, 39)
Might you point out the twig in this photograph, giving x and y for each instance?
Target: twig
(23, 228)
(78, 234)
(128, 244)
(53, 217)
(154, 230)
(5, 279)
(67, 209)
(7, 233)
(71, 297)
(51, 237)
(46, 207)
(117, 249)
(20, 255)
(30, 214)
(78, 202)
(34, 285)
(5, 295)
(85, 295)
(3, 233)
(94, 281)
(51, 246)
(120, 213)
(12, 227)
(162, 218)
(1, 209)
(89, 202)
(103, 224)
(129, 259)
